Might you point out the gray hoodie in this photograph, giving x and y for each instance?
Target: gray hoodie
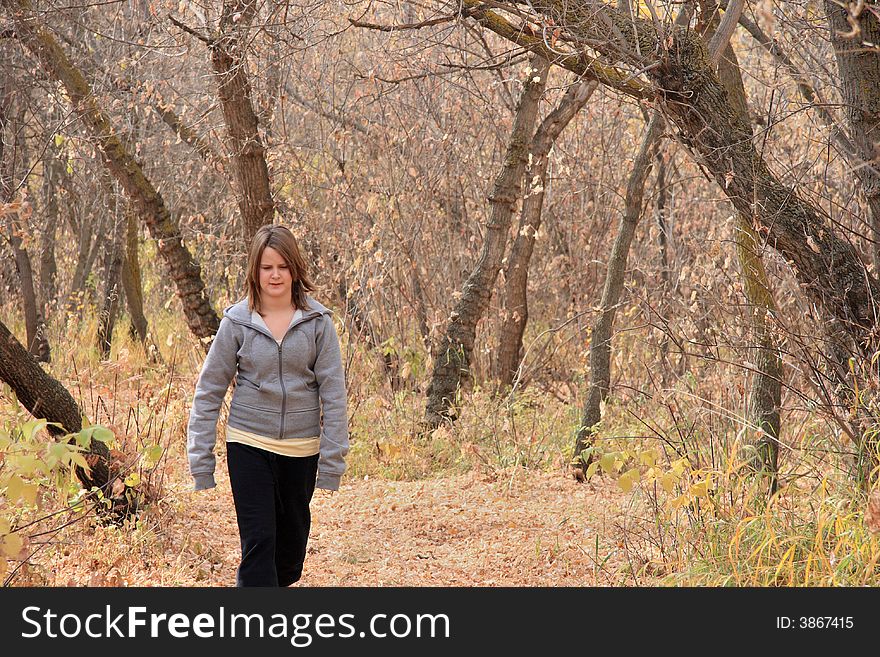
(277, 389)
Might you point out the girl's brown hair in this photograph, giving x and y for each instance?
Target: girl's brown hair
(283, 241)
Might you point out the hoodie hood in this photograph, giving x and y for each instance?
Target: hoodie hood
(240, 312)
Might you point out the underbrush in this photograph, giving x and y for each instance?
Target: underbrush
(696, 515)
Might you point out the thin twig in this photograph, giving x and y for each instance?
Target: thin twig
(186, 28)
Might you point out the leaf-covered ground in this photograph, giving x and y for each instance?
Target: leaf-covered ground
(506, 528)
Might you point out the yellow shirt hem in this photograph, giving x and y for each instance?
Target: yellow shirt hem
(288, 447)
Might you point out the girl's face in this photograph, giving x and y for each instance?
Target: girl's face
(276, 279)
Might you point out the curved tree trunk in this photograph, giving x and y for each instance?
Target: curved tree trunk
(855, 35)
(515, 300)
(184, 271)
(600, 339)
(452, 353)
(44, 397)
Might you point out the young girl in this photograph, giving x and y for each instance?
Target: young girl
(288, 422)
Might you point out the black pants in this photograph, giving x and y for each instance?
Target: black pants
(272, 495)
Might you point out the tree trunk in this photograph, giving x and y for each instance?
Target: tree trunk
(664, 232)
(600, 339)
(515, 314)
(35, 327)
(858, 65)
(765, 396)
(453, 352)
(134, 295)
(184, 271)
(44, 397)
(114, 255)
(242, 126)
(87, 250)
(53, 170)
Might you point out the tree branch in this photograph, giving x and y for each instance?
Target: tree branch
(773, 48)
(725, 29)
(464, 13)
(186, 28)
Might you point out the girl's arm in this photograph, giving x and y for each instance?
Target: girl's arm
(331, 388)
(217, 372)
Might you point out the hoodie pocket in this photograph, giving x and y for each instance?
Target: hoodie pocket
(302, 423)
(252, 397)
(244, 381)
(260, 421)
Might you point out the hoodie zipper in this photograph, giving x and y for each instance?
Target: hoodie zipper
(283, 389)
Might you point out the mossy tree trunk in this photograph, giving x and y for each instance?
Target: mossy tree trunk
(765, 395)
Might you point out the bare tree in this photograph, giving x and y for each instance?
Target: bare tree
(515, 298)
(600, 338)
(676, 63)
(453, 352)
(228, 48)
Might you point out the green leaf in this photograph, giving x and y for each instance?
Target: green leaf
(628, 479)
(59, 141)
(607, 462)
(132, 480)
(29, 429)
(97, 432)
(591, 470)
(152, 454)
(29, 493)
(103, 434)
(78, 459)
(84, 438)
(58, 452)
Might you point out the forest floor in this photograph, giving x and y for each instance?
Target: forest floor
(505, 528)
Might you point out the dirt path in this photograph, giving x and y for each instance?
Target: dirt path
(512, 528)
(519, 528)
